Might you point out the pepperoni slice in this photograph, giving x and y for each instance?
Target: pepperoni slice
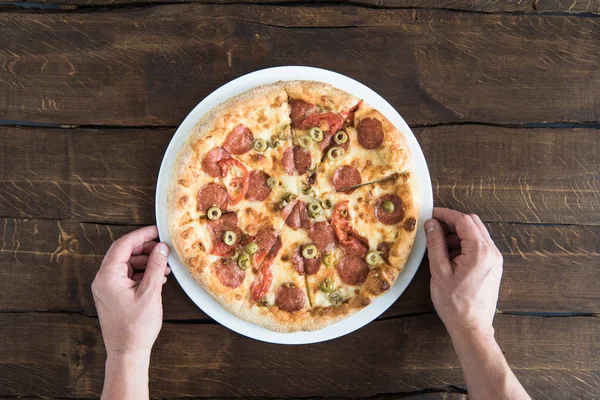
(353, 271)
(229, 274)
(312, 266)
(302, 159)
(239, 140)
(355, 245)
(386, 217)
(287, 160)
(298, 261)
(210, 164)
(227, 222)
(303, 265)
(370, 133)
(298, 218)
(212, 194)
(345, 177)
(290, 299)
(322, 235)
(265, 239)
(330, 122)
(300, 109)
(258, 190)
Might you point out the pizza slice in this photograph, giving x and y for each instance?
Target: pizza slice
(317, 112)
(369, 150)
(278, 298)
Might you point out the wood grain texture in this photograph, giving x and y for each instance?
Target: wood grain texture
(504, 174)
(521, 175)
(151, 66)
(63, 356)
(568, 6)
(547, 269)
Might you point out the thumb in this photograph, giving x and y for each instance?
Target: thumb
(154, 275)
(437, 249)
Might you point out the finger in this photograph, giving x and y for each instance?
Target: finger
(447, 230)
(137, 277)
(454, 253)
(462, 224)
(145, 248)
(138, 262)
(453, 241)
(482, 229)
(168, 271)
(437, 250)
(156, 268)
(122, 248)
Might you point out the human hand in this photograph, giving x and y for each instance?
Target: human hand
(466, 268)
(129, 302)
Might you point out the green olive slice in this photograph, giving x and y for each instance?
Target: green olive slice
(389, 206)
(327, 259)
(336, 298)
(272, 182)
(213, 213)
(334, 153)
(309, 251)
(259, 145)
(243, 261)
(373, 258)
(344, 213)
(229, 238)
(315, 210)
(340, 137)
(250, 248)
(327, 286)
(326, 204)
(304, 141)
(316, 134)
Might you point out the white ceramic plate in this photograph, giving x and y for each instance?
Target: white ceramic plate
(203, 299)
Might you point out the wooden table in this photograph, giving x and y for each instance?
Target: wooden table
(504, 97)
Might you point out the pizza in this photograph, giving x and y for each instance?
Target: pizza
(294, 205)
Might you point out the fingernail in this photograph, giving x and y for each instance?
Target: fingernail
(430, 226)
(163, 249)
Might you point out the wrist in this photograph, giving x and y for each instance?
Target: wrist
(133, 358)
(479, 334)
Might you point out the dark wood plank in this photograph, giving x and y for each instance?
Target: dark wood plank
(99, 68)
(548, 269)
(505, 174)
(588, 6)
(427, 395)
(89, 175)
(63, 356)
(521, 175)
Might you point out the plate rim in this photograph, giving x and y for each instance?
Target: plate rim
(204, 300)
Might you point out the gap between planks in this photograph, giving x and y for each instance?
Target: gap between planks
(35, 7)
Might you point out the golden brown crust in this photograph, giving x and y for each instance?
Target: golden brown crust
(192, 239)
(409, 193)
(321, 94)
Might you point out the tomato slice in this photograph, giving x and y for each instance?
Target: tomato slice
(341, 224)
(330, 122)
(259, 288)
(348, 115)
(240, 182)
